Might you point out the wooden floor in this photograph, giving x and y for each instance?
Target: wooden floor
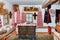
(43, 33)
(14, 33)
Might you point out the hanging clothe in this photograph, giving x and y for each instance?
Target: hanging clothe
(39, 19)
(15, 16)
(47, 17)
(18, 16)
(57, 16)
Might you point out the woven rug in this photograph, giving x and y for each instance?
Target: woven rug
(44, 37)
(38, 37)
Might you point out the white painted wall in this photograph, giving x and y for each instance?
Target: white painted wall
(7, 5)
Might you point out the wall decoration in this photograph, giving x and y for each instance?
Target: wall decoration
(34, 15)
(30, 9)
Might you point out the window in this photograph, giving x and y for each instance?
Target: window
(29, 18)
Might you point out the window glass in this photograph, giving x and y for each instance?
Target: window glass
(29, 18)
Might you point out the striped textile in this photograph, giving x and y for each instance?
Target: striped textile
(18, 16)
(12, 16)
(39, 20)
(23, 17)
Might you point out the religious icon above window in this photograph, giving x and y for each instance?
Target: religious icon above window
(34, 15)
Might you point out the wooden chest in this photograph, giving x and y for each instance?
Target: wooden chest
(27, 32)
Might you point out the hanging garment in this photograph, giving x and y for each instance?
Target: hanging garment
(18, 16)
(15, 16)
(12, 16)
(17, 19)
(39, 20)
(47, 18)
(57, 16)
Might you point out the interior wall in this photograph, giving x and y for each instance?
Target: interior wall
(43, 12)
(9, 7)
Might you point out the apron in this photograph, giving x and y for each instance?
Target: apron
(47, 17)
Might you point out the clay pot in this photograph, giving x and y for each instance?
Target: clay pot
(58, 28)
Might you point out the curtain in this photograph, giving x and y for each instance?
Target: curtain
(18, 16)
(23, 17)
(39, 20)
(12, 16)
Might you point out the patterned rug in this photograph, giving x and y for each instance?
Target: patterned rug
(38, 37)
(44, 37)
